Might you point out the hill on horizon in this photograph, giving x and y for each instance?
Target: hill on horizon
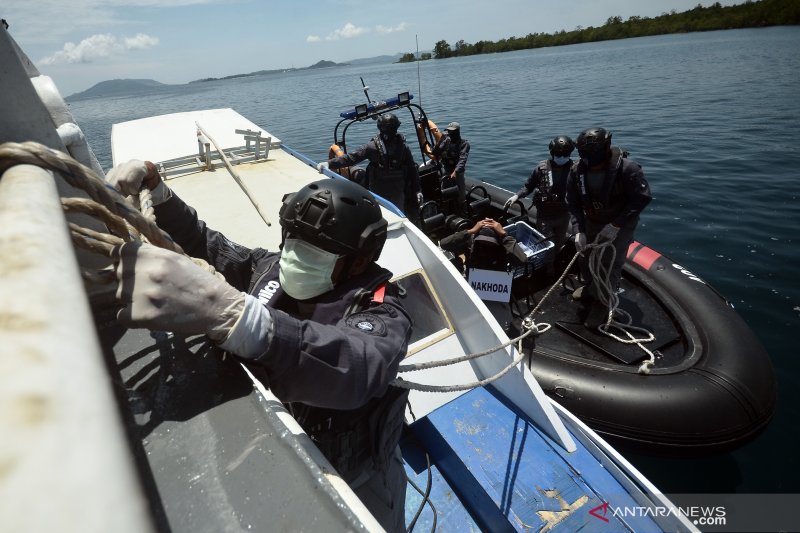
(119, 87)
(124, 87)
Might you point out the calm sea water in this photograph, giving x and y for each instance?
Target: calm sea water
(712, 117)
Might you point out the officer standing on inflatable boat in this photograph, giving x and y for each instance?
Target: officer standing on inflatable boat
(606, 192)
(392, 172)
(319, 321)
(548, 182)
(453, 151)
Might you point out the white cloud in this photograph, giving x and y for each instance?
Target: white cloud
(140, 42)
(388, 29)
(98, 46)
(348, 31)
(37, 22)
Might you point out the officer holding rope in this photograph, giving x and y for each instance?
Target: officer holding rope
(606, 193)
(318, 321)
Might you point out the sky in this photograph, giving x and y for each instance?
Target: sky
(79, 43)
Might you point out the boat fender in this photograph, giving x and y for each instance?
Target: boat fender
(75, 142)
(336, 151)
(423, 140)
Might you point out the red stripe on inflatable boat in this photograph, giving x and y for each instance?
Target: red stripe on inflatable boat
(642, 255)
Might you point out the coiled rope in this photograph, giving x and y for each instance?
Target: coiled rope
(600, 271)
(124, 222)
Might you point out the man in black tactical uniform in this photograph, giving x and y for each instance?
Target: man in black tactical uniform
(392, 172)
(548, 182)
(319, 321)
(453, 151)
(606, 192)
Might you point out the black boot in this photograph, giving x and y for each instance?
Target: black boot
(598, 313)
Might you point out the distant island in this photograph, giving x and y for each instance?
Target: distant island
(715, 17)
(129, 87)
(318, 64)
(116, 88)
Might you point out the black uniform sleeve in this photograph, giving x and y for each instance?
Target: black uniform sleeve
(530, 184)
(463, 155)
(368, 151)
(232, 260)
(513, 248)
(575, 202)
(412, 174)
(457, 243)
(339, 366)
(637, 192)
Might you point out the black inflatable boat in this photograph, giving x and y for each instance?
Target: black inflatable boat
(711, 386)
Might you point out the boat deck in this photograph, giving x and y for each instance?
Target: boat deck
(484, 457)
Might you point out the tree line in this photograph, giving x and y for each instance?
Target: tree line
(715, 17)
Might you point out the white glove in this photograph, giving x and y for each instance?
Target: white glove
(127, 177)
(580, 242)
(322, 167)
(420, 198)
(165, 291)
(608, 233)
(510, 201)
(132, 176)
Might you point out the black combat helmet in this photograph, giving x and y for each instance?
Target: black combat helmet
(336, 215)
(561, 146)
(388, 123)
(593, 143)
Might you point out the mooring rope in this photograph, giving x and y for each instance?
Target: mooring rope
(608, 297)
(528, 324)
(124, 222)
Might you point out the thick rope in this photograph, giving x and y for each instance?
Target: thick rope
(125, 223)
(400, 382)
(82, 177)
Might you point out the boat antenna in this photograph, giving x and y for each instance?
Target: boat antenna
(419, 82)
(366, 89)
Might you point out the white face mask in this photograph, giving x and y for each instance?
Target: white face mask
(560, 161)
(305, 269)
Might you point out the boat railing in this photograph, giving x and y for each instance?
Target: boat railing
(58, 409)
(208, 158)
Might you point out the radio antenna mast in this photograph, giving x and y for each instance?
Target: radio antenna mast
(419, 82)
(366, 90)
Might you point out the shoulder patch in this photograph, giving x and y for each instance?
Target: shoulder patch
(367, 323)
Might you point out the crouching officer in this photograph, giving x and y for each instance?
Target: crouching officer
(319, 321)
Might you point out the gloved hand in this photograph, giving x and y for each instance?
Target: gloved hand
(580, 242)
(322, 167)
(129, 177)
(510, 201)
(608, 233)
(165, 291)
(420, 198)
